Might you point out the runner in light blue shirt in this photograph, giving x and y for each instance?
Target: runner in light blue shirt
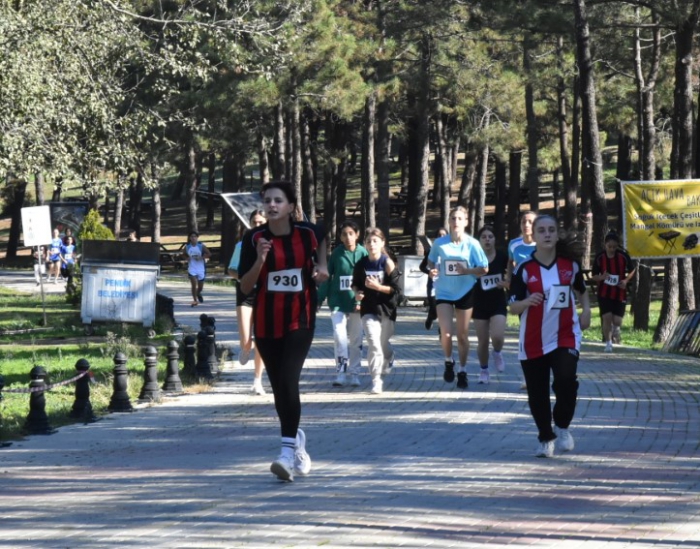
(455, 262)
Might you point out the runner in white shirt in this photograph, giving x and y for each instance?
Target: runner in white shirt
(197, 255)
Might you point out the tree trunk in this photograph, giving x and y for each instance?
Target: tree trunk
(263, 159)
(418, 176)
(229, 222)
(368, 182)
(383, 168)
(157, 206)
(57, 189)
(565, 162)
(278, 144)
(211, 189)
(39, 188)
(480, 199)
(445, 167)
(571, 198)
(189, 176)
(681, 167)
(500, 197)
(533, 172)
(642, 284)
(468, 177)
(515, 161)
(669, 305)
(19, 192)
(592, 176)
(118, 206)
(308, 172)
(135, 201)
(296, 154)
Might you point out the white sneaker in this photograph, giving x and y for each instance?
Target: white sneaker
(388, 368)
(609, 347)
(340, 380)
(545, 449)
(355, 380)
(484, 376)
(565, 442)
(498, 361)
(258, 388)
(302, 460)
(283, 467)
(377, 386)
(243, 357)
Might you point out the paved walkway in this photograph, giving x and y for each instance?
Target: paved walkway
(422, 465)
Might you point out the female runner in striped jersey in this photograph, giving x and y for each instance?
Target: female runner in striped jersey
(541, 292)
(285, 259)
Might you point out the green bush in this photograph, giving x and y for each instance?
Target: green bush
(92, 228)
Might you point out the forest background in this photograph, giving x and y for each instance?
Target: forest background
(493, 105)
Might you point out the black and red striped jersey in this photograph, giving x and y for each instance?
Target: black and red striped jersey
(286, 292)
(617, 267)
(554, 323)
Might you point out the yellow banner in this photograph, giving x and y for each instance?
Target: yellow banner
(661, 218)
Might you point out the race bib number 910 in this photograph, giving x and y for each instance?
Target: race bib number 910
(490, 282)
(289, 280)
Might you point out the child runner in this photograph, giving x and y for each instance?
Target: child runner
(376, 284)
(197, 254)
(490, 305)
(345, 309)
(244, 311)
(612, 270)
(68, 261)
(285, 258)
(541, 293)
(455, 260)
(55, 256)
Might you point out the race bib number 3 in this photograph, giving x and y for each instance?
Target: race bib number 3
(345, 283)
(452, 269)
(559, 297)
(289, 280)
(612, 280)
(490, 282)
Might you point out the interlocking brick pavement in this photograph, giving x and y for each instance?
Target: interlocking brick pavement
(422, 465)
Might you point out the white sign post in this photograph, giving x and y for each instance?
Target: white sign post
(36, 229)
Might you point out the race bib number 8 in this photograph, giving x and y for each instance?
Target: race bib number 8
(345, 283)
(452, 269)
(289, 280)
(559, 297)
(490, 282)
(612, 280)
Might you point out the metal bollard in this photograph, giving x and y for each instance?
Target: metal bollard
(203, 364)
(172, 382)
(206, 320)
(190, 367)
(37, 422)
(120, 396)
(150, 390)
(82, 407)
(213, 361)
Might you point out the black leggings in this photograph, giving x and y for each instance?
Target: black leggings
(284, 358)
(563, 364)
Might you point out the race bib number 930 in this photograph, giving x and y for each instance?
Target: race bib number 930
(288, 280)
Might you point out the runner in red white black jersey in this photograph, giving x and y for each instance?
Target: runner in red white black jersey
(542, 293)
(283, 260)
(612, 270)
